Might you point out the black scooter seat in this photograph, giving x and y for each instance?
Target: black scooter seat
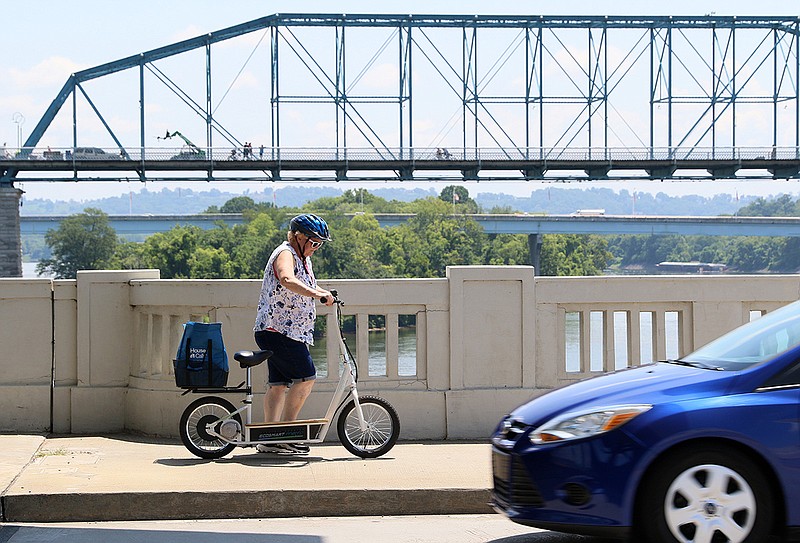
(248, 359)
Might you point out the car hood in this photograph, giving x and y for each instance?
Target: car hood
(650, 384)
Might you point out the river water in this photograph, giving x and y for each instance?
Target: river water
(407, 352)
(573, 339)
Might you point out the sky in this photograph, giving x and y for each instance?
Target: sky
(46, 40)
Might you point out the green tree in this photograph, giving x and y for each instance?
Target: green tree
(752, 254)
(649, 250)
(788, 259)
(127, 256)
(508, 250)
(238, 204)
(501, 210)
(33, 246)
(359, 250)
(458, 195)
(564, 254)
(171, 251)
(210, 263)
(782, 206)
(354, 201)
(254, 243)
(85, 241)
(435, 239)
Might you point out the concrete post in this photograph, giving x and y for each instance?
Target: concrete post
(492, 340)
(10, 243)
(105, 349)
(535, 249)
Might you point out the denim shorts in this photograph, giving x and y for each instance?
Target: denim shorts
(290, 361)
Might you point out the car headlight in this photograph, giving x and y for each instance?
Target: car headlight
(577, 425)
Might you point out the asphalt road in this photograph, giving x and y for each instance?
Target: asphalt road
(410, 529)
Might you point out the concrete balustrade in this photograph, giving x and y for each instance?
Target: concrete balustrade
(94, 355)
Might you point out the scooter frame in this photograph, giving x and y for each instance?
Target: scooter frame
(368, 426)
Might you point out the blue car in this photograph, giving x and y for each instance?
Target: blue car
(703, 449)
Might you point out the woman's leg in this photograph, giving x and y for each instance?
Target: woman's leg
(273, 402)
(295, 399)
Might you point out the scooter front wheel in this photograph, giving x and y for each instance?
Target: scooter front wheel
(194, 427)
(381, 432)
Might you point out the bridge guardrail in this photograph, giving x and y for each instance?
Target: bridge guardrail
(442, 154)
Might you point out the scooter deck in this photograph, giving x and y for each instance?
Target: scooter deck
(286, 431)
(286, 423)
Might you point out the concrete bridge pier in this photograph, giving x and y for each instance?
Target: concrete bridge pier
(535, 250)
(10, 242)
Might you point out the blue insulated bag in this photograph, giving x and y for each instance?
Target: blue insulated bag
(201, 360)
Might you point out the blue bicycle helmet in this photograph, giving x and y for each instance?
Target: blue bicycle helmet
(311, 225)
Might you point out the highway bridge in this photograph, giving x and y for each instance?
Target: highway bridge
(532, 224)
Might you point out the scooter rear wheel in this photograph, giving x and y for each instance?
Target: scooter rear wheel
(194, 423)
(381, 433)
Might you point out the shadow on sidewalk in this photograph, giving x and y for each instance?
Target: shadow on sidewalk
(123, 437)
(12, 534)
(260, 460)
(552, 537)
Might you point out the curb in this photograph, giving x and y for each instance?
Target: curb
(127, 506)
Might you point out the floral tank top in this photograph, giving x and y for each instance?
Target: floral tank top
(282, 310)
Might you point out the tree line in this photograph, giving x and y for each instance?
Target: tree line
(439, 235)
(744, 254)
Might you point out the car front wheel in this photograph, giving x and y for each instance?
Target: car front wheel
(708, 495)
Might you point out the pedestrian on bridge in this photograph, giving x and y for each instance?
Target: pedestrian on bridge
(285, 322)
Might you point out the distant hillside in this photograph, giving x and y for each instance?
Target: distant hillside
(550, 200)
(557, 201)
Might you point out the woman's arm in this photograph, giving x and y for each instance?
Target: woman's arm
(284, 271)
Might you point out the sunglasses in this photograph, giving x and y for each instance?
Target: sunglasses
(315, 244)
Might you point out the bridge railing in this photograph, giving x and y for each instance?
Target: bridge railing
(95, 354)
(650, 318)
(162, 306)
(443, 154)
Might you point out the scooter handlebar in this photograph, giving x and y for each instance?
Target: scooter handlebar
(335, 294)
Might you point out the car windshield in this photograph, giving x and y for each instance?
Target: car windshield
(752, 343)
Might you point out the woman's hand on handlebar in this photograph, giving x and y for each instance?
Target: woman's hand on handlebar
(326, 297)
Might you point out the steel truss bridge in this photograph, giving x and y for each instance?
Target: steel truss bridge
(356, 97)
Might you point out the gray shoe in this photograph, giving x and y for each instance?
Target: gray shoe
(276, 448)
(298, 448)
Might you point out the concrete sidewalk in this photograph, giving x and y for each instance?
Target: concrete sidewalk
(123, 477)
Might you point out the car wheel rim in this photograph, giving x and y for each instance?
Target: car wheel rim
(710, 503)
